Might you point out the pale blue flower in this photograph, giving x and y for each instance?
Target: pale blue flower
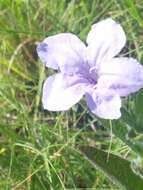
(91, 70)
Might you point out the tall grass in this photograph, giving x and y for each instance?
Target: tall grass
(38, 149)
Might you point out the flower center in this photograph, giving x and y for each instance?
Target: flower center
(93, 75)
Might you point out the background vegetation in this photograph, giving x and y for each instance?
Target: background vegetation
(39, 149)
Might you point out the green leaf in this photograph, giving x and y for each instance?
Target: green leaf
(133, 118)
(139, 102)
(127, 134)
(117, 169)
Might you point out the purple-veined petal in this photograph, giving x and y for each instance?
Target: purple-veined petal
(44, 54)
(64, 51)
(105, 104)
(123, 75)
(105, 40)
(60, 91)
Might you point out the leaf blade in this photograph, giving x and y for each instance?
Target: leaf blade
(117, 169)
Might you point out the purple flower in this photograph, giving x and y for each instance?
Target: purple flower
(91, 70)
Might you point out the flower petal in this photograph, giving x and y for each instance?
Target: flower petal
(105, 40)
(105, 104)
(123, 75)
(61, 91)
(63, 51)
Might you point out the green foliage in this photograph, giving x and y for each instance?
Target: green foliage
(39, 149)
(116, 168)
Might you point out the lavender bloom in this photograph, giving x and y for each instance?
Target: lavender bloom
(91, 70)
